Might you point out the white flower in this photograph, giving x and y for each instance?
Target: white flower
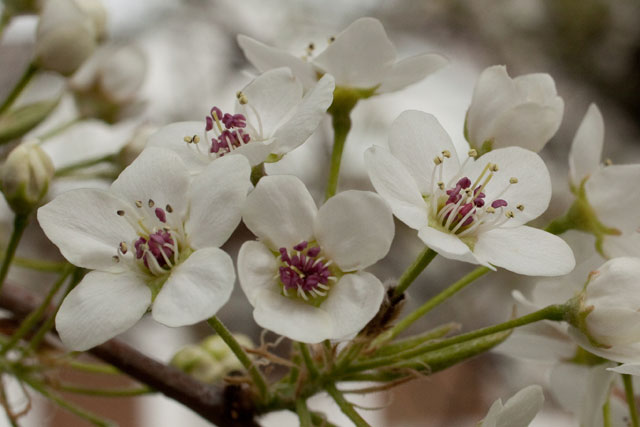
(152, 240)
(607, 196)
(272, 117)
(361, 56)
(525, 111)
(472, 210)
(519, 410)
(303, 277)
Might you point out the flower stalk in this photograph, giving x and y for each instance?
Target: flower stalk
(20, 223)
(345, 406)
(18, 88)
(631, 400)
(422, 261)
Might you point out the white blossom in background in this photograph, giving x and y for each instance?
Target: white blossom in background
(304, 276)
(272, 117)
(152, 240)
(518, 411)
(601, 188)
(361, 56)
(470, 210)
(525, 111)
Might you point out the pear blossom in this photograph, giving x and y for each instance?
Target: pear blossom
(361, 56)
(518, 411)
(272, 117)
(600, 188)
(304, 275)
(469, 210)
(153, 242)
(525, 111)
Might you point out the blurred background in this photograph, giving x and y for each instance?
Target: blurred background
(192, 62)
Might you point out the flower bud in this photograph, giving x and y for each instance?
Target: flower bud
(525, 111)
(198, 363)
(97, 13)
(65, 37)
(135, 145)
(219, 349)
(25, 177)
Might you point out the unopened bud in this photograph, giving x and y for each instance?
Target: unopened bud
(136, 144)
(198, 363)
(25, 177)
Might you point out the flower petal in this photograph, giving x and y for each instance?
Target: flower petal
(361, 56)
(265, 58)
(522, 407)
(257, 269)
(195, 289)
(533, 187)
(411, 70)
(525, 250)
(102, 306)
(344, 228)
(172, 137)
(280, 211)
(529, 125)
(217, 196)
(393, 182)
(352, 303)
(449, 246)
(537, 87)
(85, 226)
(306, 117)
(416, 139)
(156, 174)
(292, 318)
(586, 149)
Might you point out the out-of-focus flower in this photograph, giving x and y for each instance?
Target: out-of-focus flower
(107, 84)
(152, 240)
(360, 57)
(95, 10)
(472, 210)
(136, 144)
(304, 277)
(26, 175)
(504, 112)
(272, 118)
(518, 411)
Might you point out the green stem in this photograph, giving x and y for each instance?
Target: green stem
(84, 164)
(303, 413)
(552, 312)
(606, 413)
(39, 265)
(414, 270)
(18, 88)
(430, 304)
(345, 406)
(560, 225)
(257, 172)
(242, 356)
(92, 368)
(308, 360)
(341, 120)
(19, 224)
(414, 341)
(320, 420)
(5, 18)
(631, 400)
(80, 412)
(58, 129)
(140, 391)
(32, 319)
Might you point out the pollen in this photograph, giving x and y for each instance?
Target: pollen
(446, 153)
(120, 212)
(151, 203)
(513, 180)
(473, 153)
(520, 207)
(437, 160)
(242, 98)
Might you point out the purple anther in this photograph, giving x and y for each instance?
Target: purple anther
(313, 252)
(498, 203)
(216, 113)
(301, 246)
(161, 215)
(302, 269)
(465, 209)
(464, 182)
(158, 243)
(234, 121)
(209, 123)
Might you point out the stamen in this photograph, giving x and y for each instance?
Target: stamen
(520, 207)
(139, 203)
(169, 209)
(513, 180)
(123, 247)
(161, 215)
(115, 259)
(446, 153)
(120, 212)
(242, 98)
(473, 153)
(151, 203)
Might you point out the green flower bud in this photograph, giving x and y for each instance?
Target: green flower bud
(218, 349)
(198, 363)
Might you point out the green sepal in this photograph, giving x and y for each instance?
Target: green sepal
(19, 121)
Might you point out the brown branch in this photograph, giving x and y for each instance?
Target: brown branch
(229, 406)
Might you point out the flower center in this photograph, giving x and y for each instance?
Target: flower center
(462, 208)
(160, 237)
(304, 272)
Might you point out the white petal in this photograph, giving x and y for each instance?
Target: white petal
(85, 226)
(614, 194)
(537, 87)
(273, 95)
(280, 211)
(533, 189)
(361, 56)
(102, 306)
(449, 246)
(217, 195)
(355, 229)
(586, 149)
(528, 125)
(291, 318)
(522, 407)
(195, 289)
(416, 139)
(538, 341)
(257, 269)
(494, 93)
(352, 303)
(411, 70)
(525, 250)
(623, 245)
(172, 137)
(156, 174)
(265, 58)
(255, 151)
(620, 353)
(393, 182)
(627, 368)
(306, 117)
